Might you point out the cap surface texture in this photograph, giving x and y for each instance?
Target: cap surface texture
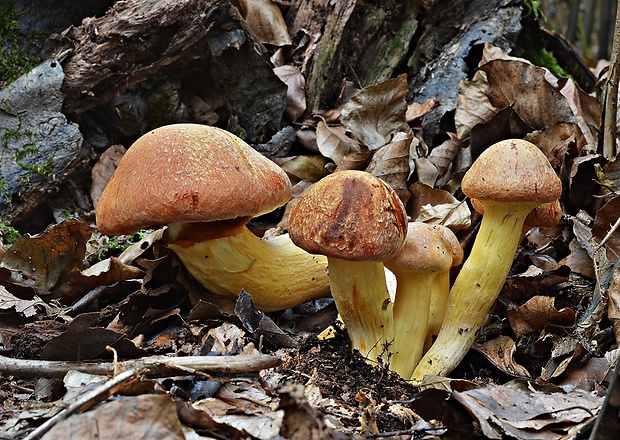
(189, 173)
(351, 215)
(512, 170)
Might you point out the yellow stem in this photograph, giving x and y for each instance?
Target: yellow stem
(440, 291)
(361, 295)
(476, 288)
(277, 274)
(410, 311)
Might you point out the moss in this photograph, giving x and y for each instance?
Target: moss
(9, 233)
(533, 8)
(161, 105)
(115, 246)
(545, 58)
(14, 59)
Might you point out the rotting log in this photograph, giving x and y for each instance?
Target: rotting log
(137, 39)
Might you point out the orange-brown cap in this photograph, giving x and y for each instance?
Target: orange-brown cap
(512, 170)
(351, 215)
(424, 250)
(189, 173)
(452, 242)
(545, 215)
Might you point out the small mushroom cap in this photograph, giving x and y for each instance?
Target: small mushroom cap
(545, 215)
(512, 170)
(424, 249)
(351, 215)
(189, 173)
(452, 242)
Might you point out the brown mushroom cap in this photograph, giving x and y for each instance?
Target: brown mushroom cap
(189, 173)
(423, 250)
(452, 242)
(545, 215)
(512, 170)
(351, 215)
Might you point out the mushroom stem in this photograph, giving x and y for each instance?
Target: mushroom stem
(363, 302)
(476, 287)
(411, 312)
(440, 291)
(277, 274)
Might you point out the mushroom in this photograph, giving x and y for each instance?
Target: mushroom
(205, 184)
(510, 178)
(441, 286)
(357, 221)
(423, 255)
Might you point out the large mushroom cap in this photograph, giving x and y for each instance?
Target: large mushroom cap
(189, 173)
(351, 215)
(513, 170)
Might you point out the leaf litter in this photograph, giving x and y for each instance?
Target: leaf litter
(546, 326)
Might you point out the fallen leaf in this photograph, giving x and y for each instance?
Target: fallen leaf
(42, 260)
(438, 207)
(376, 113)
(536, 314)
(103, 170)
(415, 112)
(391, 164)
(333, 142)
(522, 411)
(265, 20)
(500, 352)
(25, 307)
(126, 418)
(296, 92)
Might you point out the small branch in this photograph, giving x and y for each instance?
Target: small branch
(87, 401)
(154, 366)
(611, 97)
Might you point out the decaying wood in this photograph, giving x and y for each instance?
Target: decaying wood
(138, 39)
(153, 366)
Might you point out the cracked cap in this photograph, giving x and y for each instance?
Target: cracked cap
(351, 215)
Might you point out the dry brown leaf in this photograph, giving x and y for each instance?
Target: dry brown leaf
(613, 305)
(562, 355)
(126, 418)
(334, 143)
(473, 107)
(42, 260)
(438, 207)
(298, 168)
(500, 352)
(391, 164)
(296, 91)
(524, 88)
(103, 170)
(265, 20)
(536, 314)
(518, 410)
(415, 112)
(27, 308)
(555, 141)
(377, 113)
(442, 156)
(605, 218)
(587, 111)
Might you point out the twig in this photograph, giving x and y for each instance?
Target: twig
(599, 418)
(611, 97)
(155, 366)
(87, 401)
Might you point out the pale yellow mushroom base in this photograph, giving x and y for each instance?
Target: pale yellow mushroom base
(361, 295)
(475, 289)
(278, 274)
(410, 311)
(439, 301)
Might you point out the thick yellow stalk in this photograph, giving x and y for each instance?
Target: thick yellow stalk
(440, 291)
(277, 274)
(410, 311)
(476, 287)
(361, 295)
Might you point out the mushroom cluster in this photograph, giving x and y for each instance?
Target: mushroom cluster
(205, 184)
